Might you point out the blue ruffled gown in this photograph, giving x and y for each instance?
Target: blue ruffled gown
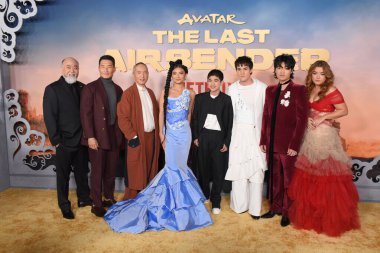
(173, 200)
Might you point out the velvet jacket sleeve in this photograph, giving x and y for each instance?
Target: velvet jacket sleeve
(264, 124)
(50, 109)
(302, 109)
(87, 112)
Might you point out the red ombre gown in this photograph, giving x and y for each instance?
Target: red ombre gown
(324, 196)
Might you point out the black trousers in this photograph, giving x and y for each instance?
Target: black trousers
(68, 159)
(211, 165)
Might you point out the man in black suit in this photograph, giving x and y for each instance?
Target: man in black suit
(211, 128)
(62, 119)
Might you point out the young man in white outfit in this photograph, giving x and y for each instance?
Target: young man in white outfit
(247, 163)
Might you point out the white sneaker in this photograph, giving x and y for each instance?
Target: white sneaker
(216, 210)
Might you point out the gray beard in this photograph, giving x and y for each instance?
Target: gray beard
(70, 79)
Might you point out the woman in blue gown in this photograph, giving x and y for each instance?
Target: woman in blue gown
(173, 200)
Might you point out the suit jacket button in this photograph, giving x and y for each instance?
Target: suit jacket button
(104, 118)
(103, 107)
(103, 128)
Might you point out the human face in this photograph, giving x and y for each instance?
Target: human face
(244, 73)
(318, 76)
(179, 76)
(141, 74)
(283, 73)
(106, 69)
(214, 84)
(70, 68)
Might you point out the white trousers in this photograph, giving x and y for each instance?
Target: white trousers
(247, 194)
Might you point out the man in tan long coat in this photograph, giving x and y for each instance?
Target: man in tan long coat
(137, 114)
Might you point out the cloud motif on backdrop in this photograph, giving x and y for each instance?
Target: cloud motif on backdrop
(12, 13)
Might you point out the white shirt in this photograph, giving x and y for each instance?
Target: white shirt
(211, 122)
(245, 104)
(147, 108)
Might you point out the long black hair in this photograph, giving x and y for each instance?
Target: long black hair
(173, 65)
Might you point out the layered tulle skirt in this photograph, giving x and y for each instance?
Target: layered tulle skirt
(324, 196)
(173, 200)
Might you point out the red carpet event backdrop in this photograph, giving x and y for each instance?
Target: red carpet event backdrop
(205, 35)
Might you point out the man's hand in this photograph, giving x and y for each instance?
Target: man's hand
(291, 152)
(196, 142)
(93, 143)
(263, 148)
(224, 149)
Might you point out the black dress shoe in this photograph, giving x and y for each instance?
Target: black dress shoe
(67, 214)
(98, 211)
(255, 217)
(85, 203)
(268, 215)
(284, 221)
(108, 202)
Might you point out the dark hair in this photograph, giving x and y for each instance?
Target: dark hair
(289, 62)
(217, 73)
(107, 57)
(244, 60)
(173, 65)
(326, 85)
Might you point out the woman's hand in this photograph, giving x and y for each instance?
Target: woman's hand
(163, 141)
(310, 124)
(318, 121)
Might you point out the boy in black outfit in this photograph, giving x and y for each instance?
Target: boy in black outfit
(211, 126)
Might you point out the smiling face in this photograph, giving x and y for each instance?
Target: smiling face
(140, 74)
(179, 75)
(214, 84)
(283, 73)
(70, 69)
(106, 69)
(318, 76)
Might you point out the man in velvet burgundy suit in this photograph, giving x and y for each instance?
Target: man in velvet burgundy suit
(62, 120)
(101, 133)
(283, 127)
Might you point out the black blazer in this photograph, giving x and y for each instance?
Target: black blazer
(221, 107)
(62, 114)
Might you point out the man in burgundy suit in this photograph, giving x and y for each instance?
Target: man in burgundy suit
(101, 133)
(283, 126)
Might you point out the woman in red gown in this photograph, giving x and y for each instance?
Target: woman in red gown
(324, 196)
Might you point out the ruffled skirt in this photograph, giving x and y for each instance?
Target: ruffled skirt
(173, 200)
(324, 196)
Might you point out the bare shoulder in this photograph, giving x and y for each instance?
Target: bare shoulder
(331, 90)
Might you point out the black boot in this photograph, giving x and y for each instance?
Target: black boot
(284, 221)
(268, 215)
